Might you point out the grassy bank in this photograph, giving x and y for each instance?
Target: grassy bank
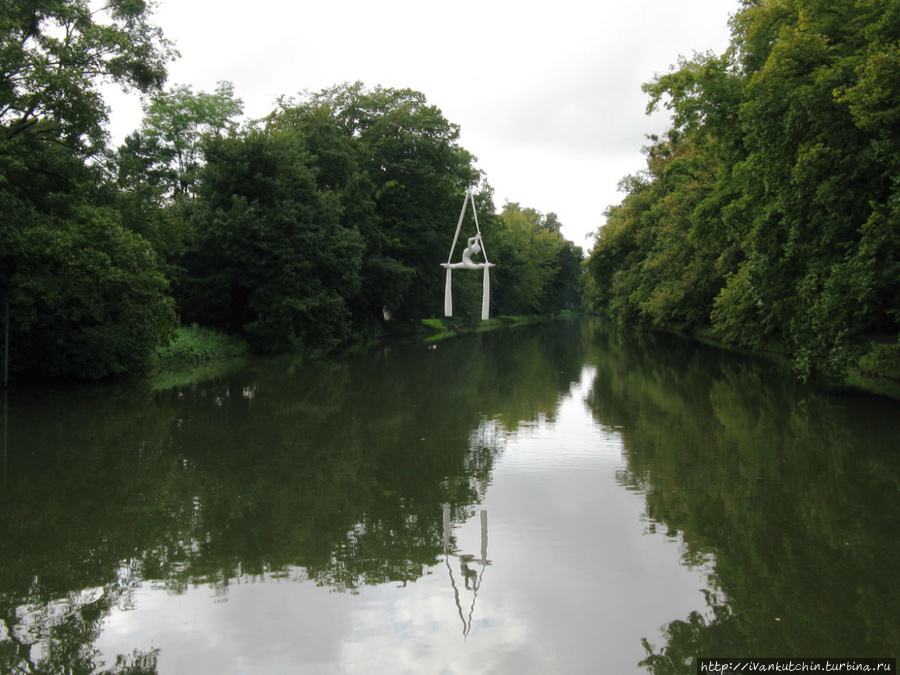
(194, 345)
(194, 355)
(877, 371)
(441, 329)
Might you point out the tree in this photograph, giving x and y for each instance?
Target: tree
(770, 208)
(157, 166)
(55, 53)
(417, 175)
(87, 297)
(269, 255)
(174, 123)
(818, 242)
(621, 246)
(529, 251)
(335, 159)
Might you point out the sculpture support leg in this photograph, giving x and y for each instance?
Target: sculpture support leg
(448, 294)
(486, 295)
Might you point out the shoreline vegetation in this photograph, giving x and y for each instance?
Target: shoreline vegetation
(194, 355)
(878, 370)
(443, 329)
(768, 214)
(197, 354)
(195, 345)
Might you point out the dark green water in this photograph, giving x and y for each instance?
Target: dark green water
(548, 499)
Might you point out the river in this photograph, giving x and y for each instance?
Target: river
(555, 498)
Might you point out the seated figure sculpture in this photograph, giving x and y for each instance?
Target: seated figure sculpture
(473, 248)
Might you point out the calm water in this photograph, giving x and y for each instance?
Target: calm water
(548, 499)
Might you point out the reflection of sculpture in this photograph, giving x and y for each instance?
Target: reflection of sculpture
(474, 247)
(472, 578)
(470, 575)
(5, 434)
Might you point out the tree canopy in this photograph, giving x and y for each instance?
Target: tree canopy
(538, 271)
(334, 214)
(324, 222)
(54, 54)
(86, 295)
(174, 123)
(417, 175)
(269, 255)
(769, 211)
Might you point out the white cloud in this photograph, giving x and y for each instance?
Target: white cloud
(547, 95)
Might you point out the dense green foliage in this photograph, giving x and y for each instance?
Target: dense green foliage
(55, 53)
(770, 210)
(538, 270)
(402, 176)
(86, 295)
(194, 345)
(316, 226)
(269, 254)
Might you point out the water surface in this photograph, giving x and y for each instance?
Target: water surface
(550, 499)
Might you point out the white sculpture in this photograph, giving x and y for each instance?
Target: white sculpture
(474, 247)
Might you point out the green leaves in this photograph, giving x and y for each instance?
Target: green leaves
(767, 191)
(270, 256)
(175, 123)
(406, 177)
(55, 53)
(88, 298)
(528, 249)
(336, 214)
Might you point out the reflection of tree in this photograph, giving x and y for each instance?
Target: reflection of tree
(696, 636)
(792, 491)
(48, 635)
(336, 467)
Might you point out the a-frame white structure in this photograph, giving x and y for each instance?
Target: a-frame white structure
(475, 245)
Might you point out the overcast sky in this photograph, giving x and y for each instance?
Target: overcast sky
(547, 95)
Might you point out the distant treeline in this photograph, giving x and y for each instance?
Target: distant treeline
(770, 211)
(324, 223)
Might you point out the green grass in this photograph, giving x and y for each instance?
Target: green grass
(194, 345)
(438, 330)
(434, 325)
(196, 354)
(882, 360)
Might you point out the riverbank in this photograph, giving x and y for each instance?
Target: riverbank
(197, 354)
(448, 327)
(194, 345)
(194, 355)
(877, 372)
